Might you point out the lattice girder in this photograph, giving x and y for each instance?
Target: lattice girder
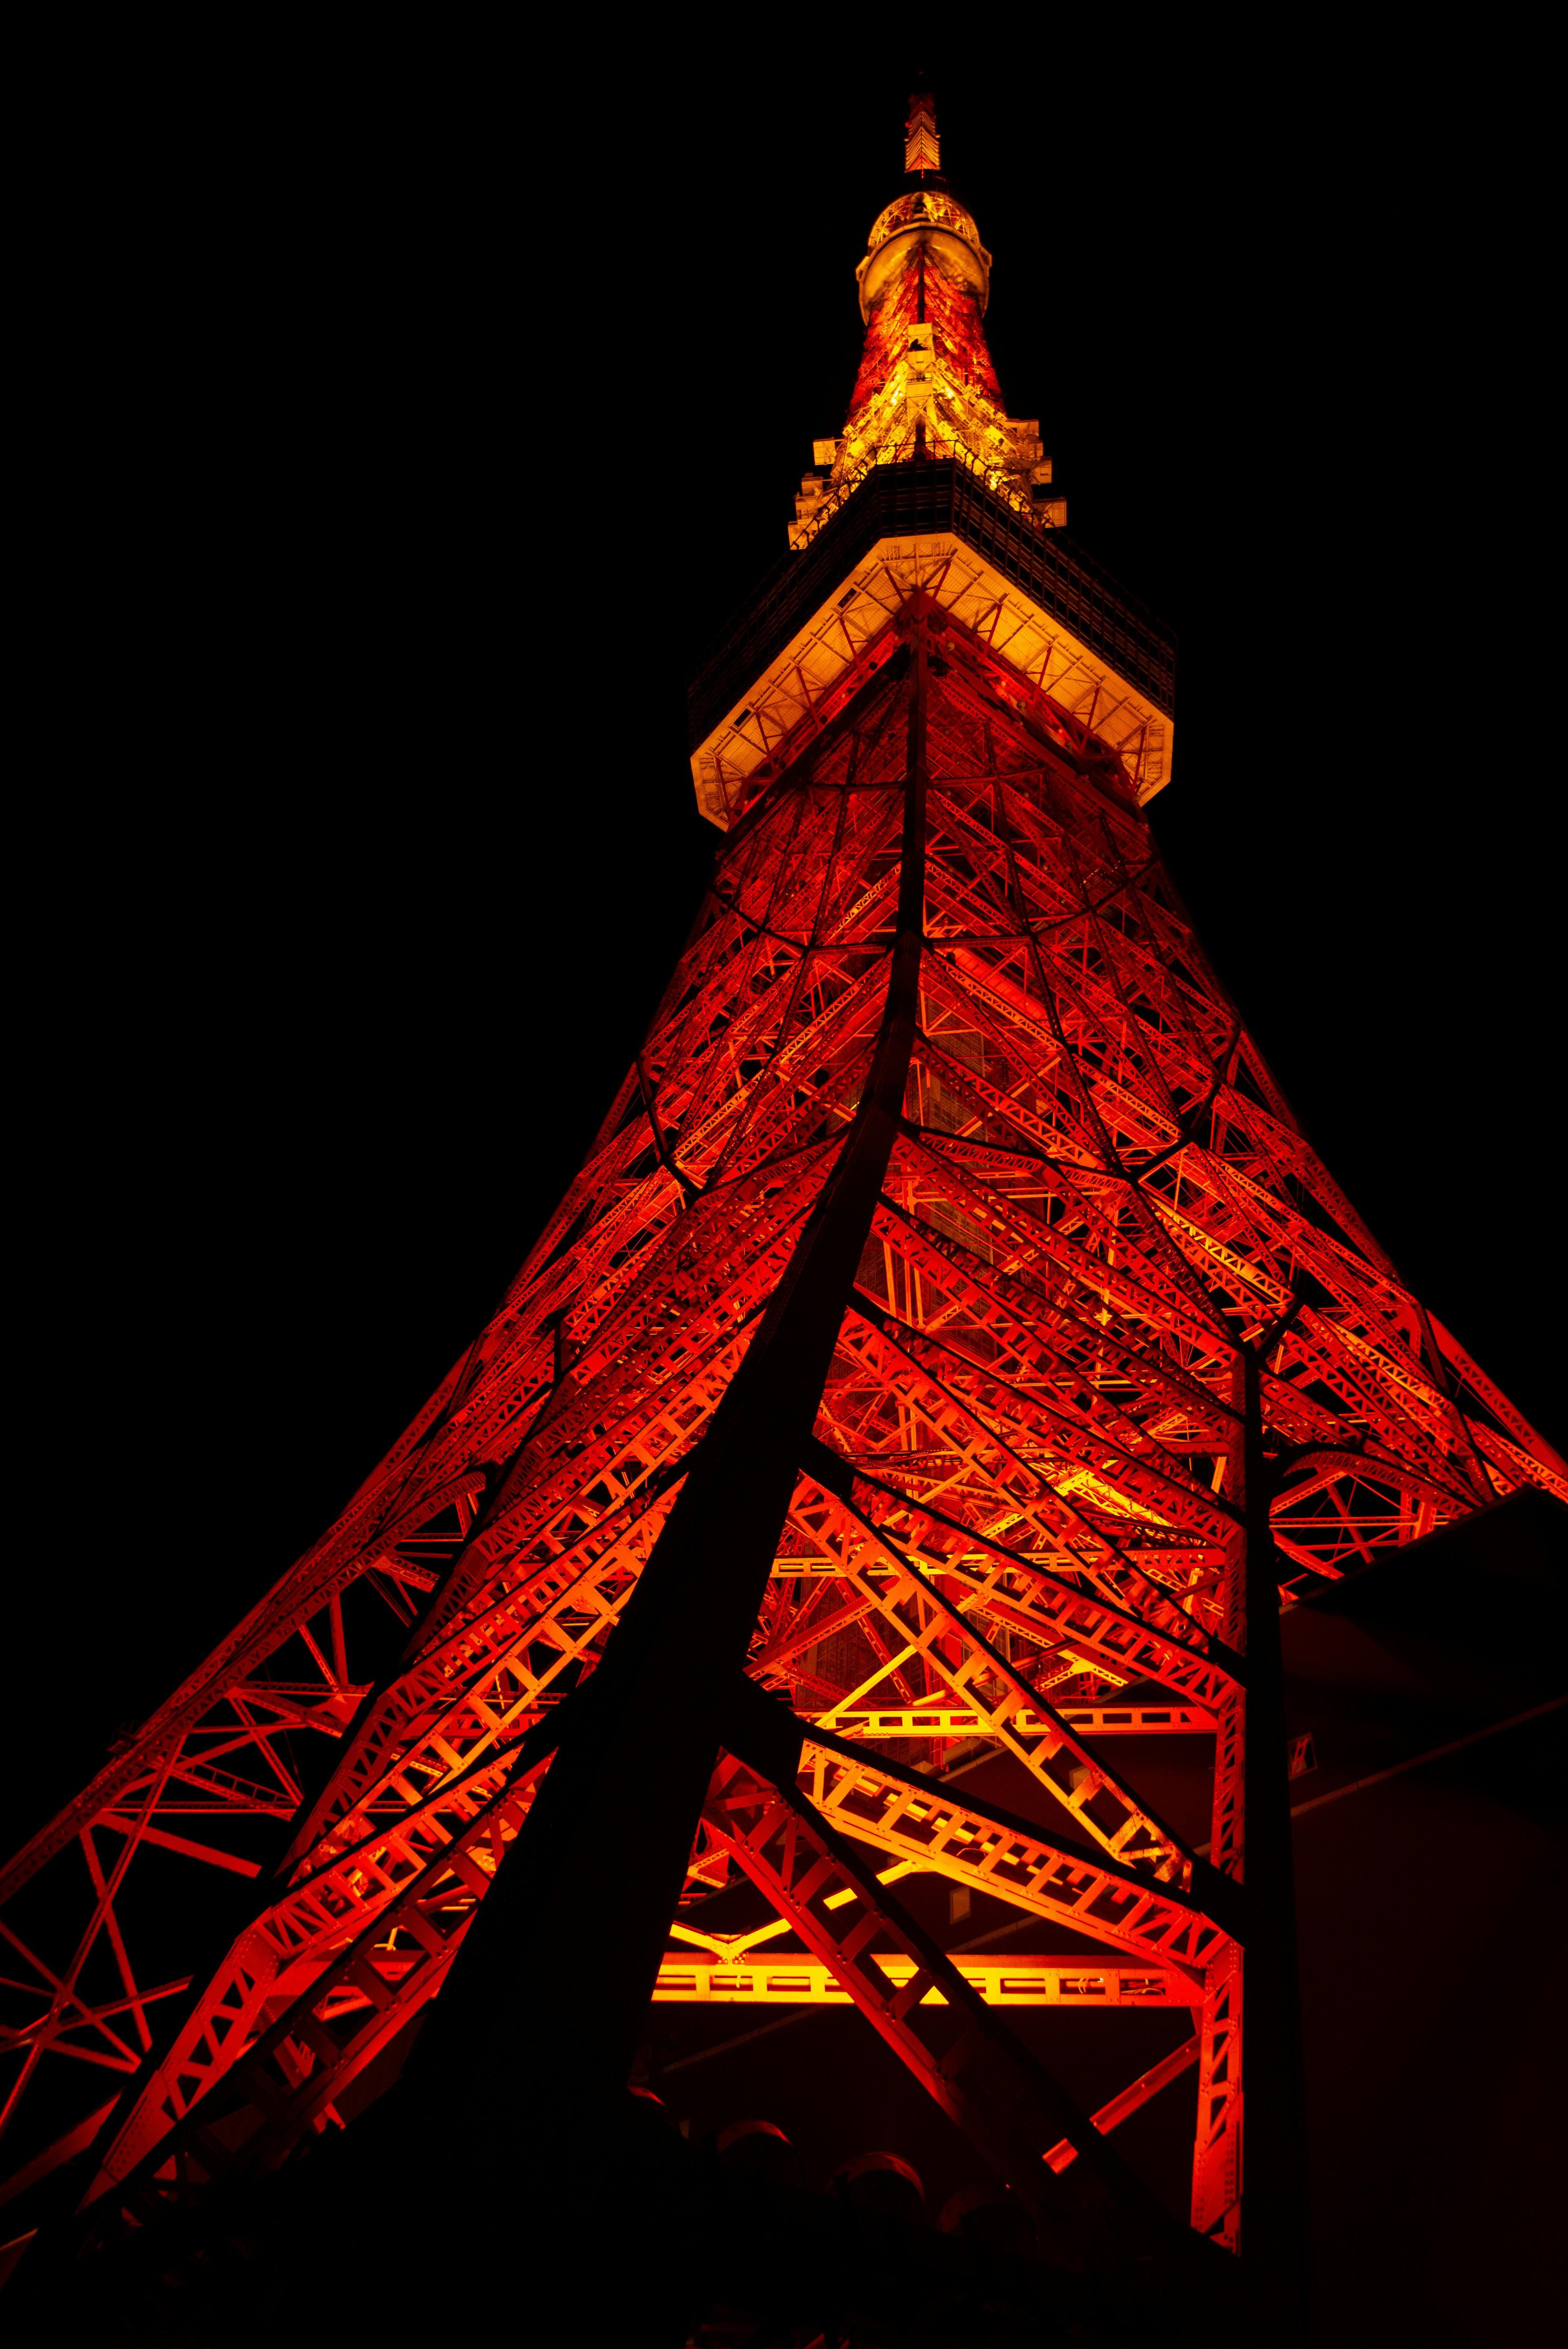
(1021, 1500)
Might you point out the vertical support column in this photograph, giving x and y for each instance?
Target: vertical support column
(1217, 2157)
(1249, 2178)
(1274, 2250)
(1217, 2152)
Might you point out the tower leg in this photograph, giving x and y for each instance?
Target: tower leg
(1273, 2210)
(653, 1713)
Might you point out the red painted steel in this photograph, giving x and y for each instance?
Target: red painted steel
(925, 293)
(1026, 1501)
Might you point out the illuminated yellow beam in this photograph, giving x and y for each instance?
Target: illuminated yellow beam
(1089, 1720)
(1167, 1560)
(688, 1978)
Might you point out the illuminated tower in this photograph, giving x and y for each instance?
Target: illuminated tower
(951, 1351)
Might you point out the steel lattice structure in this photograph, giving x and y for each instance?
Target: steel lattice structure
(950, 1198)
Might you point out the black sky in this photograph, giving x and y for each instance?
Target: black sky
(419, 419)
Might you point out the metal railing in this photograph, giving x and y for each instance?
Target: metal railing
(907, 451)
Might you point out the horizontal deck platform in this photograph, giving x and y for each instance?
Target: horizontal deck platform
(916, 499)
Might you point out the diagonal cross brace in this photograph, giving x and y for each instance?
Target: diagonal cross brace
(1018, 2118)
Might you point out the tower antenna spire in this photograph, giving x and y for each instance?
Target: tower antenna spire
(922, 147)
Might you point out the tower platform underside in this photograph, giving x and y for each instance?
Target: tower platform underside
(797, 649)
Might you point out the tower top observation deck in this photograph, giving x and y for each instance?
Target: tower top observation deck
(926, 386)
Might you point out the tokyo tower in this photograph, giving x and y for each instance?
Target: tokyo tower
(946, 1386)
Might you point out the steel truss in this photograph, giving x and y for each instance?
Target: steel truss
(1021, 1501)
(1103, 1371)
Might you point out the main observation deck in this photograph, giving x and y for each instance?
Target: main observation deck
(1050, 612)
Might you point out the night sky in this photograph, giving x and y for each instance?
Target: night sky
(430, 416)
